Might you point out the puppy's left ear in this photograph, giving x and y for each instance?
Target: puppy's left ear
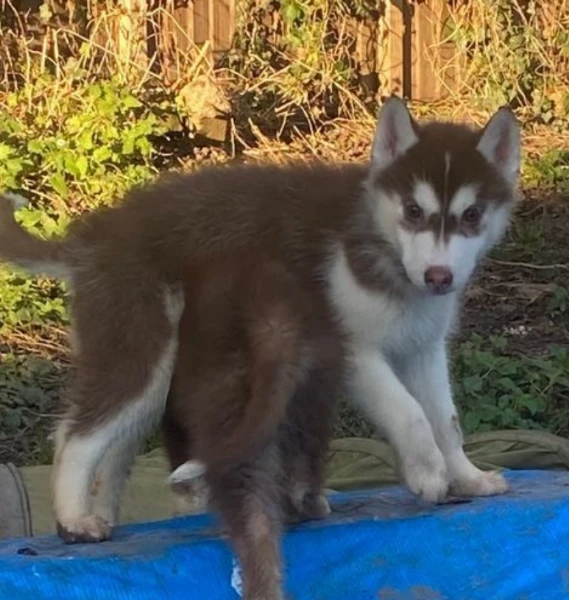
(500, 143)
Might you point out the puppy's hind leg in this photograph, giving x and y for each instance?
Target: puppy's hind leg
(114, 403)
(189, 490)
(305, 444)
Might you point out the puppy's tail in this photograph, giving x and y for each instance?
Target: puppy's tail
(276, 353)
(18, 247)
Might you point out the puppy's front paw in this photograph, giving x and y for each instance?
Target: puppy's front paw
(479, 483)
(88, 529)
(426, 475)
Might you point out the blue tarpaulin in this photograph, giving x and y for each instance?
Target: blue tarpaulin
(377, 545)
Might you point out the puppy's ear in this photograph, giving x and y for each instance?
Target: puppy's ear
(500, 143)
(394, 134)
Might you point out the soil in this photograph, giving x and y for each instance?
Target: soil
(513, 294)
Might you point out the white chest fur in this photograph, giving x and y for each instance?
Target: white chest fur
(394, 326)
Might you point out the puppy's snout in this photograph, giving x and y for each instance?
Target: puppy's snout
(438, 279)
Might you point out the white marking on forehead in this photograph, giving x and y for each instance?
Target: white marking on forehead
(425, 196)
(445, 189)
(465, 196)
(447, 166)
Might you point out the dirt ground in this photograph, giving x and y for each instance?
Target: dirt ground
(515, 292)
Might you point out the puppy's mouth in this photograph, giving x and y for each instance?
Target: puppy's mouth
(440, 290)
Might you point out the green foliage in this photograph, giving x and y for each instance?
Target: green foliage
(496, 390)
(558, 302)
(80, 147)
(70, 146)
(29, 389)
(550, 170)
(302, 67)
(30, 301)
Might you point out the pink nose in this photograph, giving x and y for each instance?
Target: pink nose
(438, 279)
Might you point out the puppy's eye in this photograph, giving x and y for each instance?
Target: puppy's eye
(472, 215)
(413, 212)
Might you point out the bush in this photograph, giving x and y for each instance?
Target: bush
(69, 146)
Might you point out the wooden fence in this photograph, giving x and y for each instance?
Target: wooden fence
(402, 50)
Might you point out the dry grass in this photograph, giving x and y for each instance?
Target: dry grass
(515, 52)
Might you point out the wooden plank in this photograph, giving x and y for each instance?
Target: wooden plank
(424, 80)
(183, 15)
(434, 62)
(391, 61)
(201, 21)
(130, 40)
(223, 24)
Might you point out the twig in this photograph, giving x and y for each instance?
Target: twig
(524, 265)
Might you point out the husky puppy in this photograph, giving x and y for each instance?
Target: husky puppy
(378, 253)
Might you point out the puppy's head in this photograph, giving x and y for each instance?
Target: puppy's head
(442, 193)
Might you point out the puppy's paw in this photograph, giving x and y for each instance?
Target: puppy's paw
(315, 506)
(426, 475)
(307, 502)
(479, 483)
(86, 530)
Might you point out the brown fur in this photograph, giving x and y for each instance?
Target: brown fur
(257, 373)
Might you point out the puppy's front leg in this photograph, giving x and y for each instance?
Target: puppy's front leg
(392, 409)
(425, 375)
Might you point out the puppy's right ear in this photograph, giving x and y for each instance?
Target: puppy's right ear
(394, 134)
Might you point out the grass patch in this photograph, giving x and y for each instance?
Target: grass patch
(496, 389)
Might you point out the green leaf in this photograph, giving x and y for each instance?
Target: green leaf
(82, 166)
(5, 151)
(291, 11)
(35, 146)
(57, 181)
(471, 421)
(131, 102)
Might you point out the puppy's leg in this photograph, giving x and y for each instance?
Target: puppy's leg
(306, 441)
(248, 501)
(392, 409)
(191, 496)
(426, 377)
(114, 402)
(111, 475)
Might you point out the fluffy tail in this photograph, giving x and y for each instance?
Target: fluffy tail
(18, 247)
(273, 386)
(272, 390)
(245, 423)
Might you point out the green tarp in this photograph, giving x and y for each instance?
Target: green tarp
(354, 463)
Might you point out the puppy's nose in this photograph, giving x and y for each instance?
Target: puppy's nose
(438, 279)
